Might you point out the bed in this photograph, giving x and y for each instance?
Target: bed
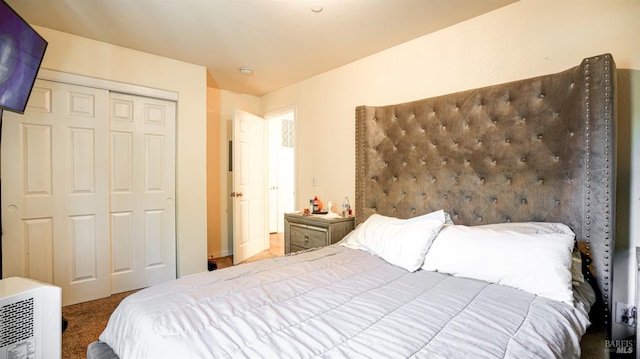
(485, 229)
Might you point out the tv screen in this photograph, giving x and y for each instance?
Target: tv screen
(21, 53)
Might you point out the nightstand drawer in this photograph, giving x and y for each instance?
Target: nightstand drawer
(304, 232)
(306, 237)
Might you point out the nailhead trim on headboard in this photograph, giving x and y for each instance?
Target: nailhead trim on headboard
(606, 105)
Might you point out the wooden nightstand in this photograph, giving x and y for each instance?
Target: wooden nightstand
(304, 232)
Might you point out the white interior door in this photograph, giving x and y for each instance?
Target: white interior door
(55, 191)
(142, 191)
(249, 206)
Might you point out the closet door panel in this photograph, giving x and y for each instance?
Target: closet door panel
(122, 243)
(84, 248)
(143, 185)
(55, 194)
(38, 239)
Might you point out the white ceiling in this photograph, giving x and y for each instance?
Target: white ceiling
(282, 41)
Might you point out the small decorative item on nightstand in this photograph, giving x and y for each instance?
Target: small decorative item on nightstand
(318, 208)
(305, 232)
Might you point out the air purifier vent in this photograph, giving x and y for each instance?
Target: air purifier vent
(30, 319)
(16, 322)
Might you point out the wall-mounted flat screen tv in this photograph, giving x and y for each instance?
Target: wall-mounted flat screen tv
(21, 53)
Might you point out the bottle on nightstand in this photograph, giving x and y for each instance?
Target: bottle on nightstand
(346, 207)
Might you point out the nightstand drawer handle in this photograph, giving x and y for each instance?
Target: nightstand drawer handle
(306, 239)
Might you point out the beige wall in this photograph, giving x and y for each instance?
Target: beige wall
(525, 39)
(81, 56)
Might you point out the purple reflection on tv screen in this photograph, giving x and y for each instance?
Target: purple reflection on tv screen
(21, 53)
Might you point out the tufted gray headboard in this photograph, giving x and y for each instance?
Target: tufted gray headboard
(541, 149)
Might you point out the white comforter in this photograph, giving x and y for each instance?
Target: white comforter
(337, 302)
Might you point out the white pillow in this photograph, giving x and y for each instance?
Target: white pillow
(539, 263)
(577, 277)
(401, 242)
(350, 240)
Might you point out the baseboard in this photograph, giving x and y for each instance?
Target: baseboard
(220, 254)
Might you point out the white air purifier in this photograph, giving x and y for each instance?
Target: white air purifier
(30, 319)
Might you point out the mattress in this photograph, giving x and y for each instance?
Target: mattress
(336, 302)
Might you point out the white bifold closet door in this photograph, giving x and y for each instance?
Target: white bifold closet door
(142, 191)
(88, 187)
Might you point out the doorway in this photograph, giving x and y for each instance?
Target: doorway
(281, 138)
